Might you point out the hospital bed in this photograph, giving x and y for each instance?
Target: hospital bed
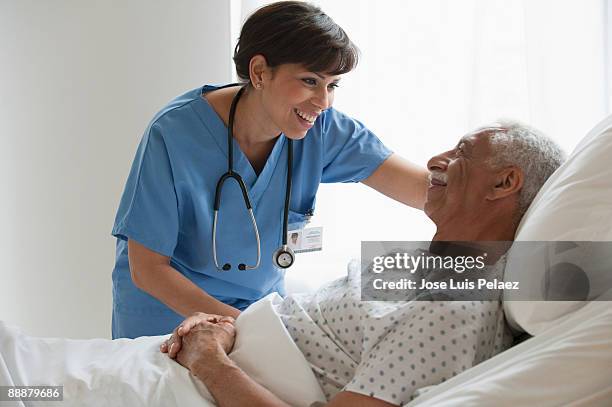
(566, 361)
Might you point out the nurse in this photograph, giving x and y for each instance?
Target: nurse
(290, 57)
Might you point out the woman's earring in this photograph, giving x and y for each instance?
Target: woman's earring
(258, 85)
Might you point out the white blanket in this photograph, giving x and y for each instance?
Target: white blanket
(133, 372)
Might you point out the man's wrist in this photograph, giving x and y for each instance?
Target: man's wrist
(211, 364)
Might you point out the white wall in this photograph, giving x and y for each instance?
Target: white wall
(79, 80)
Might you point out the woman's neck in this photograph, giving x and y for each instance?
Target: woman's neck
(252, 125)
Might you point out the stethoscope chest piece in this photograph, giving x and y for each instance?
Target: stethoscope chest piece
(283, 257)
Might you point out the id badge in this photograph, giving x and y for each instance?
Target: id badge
(305, 240)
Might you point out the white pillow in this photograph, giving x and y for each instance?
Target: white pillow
(265, 351)
(575, 204)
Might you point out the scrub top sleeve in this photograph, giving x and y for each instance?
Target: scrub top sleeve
(148, 211)
(351, 152)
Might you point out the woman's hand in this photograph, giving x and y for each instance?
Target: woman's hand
(205, 343)
(173, 345)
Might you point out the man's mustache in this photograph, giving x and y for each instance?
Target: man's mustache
(438, 176)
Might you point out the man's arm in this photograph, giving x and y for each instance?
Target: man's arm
(401, 180)
(219, 370)
(204, 353)
(230, 386)
(350, 399)
(151, 272)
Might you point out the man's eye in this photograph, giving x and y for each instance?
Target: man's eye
(333, 85)
(309, 81)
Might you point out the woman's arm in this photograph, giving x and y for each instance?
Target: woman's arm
(151, 272)
(401, 180)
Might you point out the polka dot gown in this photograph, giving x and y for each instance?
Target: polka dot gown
(389, 350)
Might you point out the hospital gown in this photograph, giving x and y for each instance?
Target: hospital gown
(389, 350)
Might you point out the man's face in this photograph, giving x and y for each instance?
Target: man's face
(460, 179)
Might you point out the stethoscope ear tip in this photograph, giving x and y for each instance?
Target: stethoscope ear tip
(241, 267)
(226, 267)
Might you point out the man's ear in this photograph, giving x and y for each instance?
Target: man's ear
(257, 67)
(508, 181)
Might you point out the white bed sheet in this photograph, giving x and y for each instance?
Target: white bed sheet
(133, 372)
(569, 364)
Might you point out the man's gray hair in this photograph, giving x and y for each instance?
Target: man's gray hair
(514, 143)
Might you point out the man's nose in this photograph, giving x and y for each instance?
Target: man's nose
(437, 163)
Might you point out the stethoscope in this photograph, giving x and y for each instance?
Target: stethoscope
(283, 257)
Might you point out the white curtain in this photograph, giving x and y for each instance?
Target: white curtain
(433, 69)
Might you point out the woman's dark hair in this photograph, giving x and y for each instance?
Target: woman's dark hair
(295, 32)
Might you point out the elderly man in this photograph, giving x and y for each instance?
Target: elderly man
(381, 353)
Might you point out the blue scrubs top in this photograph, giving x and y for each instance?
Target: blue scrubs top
(167, 204)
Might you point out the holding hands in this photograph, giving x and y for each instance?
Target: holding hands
(200, 337)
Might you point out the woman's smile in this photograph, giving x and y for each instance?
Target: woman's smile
(306, 120)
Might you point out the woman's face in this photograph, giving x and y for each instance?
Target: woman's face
(294, 97)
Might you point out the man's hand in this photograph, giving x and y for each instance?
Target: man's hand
(205, 342)
(173, 345)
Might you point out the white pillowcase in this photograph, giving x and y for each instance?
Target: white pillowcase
(575, 204)
(265, 351)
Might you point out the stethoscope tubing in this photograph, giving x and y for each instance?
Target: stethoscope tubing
(245, 195)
